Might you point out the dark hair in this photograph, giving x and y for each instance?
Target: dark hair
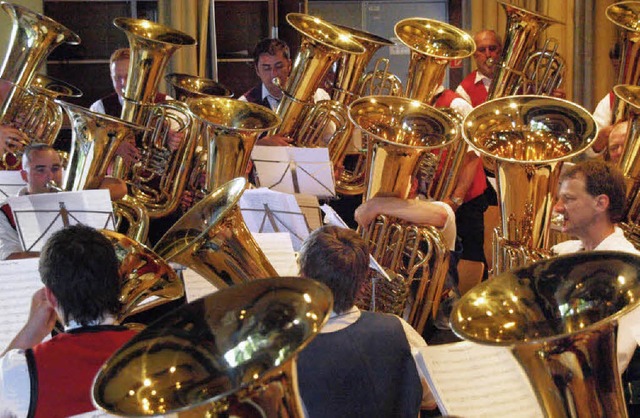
(79, 265)
(339, 258)
(270, 46)
(602, 178)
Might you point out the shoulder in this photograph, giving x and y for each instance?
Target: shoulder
(15, 383)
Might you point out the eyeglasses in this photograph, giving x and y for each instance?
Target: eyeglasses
(491, 48)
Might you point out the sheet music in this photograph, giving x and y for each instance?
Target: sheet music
(279, 250)
(295, 170)
(196, 286)
(310, 209)
(19, 280)
(473, 380)
(11, 183)
(38, 216)
(265, 210)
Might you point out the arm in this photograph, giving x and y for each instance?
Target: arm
(42, 318)
(418, 212)
(117, 187)
(465, 179)
(9, 240)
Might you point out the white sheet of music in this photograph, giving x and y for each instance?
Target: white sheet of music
(278, 248)
(10, 183)
(267, 211)
(473, 380)
(19, 280)
(38, 216)
(196, 286)
(295, 170)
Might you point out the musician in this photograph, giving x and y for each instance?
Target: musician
(616, 141)
(79, 270)
(40, 165)
(474, 88)
(592, 200)
(373, 353)
(272, 59)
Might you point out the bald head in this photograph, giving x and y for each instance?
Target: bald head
(488, 51)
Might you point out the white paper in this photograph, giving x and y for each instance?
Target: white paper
(196, 286)
(39, 216)
(265, 211)
(19, 280)
(473, 380)
(295, 170)
(10, 183)
(279, 251)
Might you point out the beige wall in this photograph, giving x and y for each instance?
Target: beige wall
(5, 21)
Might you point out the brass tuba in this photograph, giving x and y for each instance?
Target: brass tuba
(400, 132)
(158, 179)
(147, 281)
(232, 351)
(529, 137)
(559, 319)
(523, 29)
(626, 15)
(213, 240)
(189, 86)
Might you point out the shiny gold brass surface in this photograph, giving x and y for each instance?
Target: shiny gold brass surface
(213, 240)
(33, 37)
(626, 16)
(189, 86)
(523, 29)
(433, 46)
(322, 45)
(229, 128)
(236, 347)
(147, 280)
(558, 317)
(400, 132)
(131, 218)
(529, 137)
(53, 88)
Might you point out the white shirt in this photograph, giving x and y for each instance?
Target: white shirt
(462, 106)
(98, 105)
(603, 113)
(629, 324)
(486, 81)
(448, 231)
(320, 94)
(15, 383)
(9, 239)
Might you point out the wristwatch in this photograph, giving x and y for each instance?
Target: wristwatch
(457, 201)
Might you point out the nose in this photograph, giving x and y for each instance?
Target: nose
(558, 207)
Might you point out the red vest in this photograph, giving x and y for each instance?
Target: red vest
(479, 183)
(477, 91)
(66, 366)
(445, 98)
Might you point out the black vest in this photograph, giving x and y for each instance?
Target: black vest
(112, 106)
(255, 96)
(364, 370)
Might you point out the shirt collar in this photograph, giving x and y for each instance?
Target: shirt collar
(107, 320)
(337, 322)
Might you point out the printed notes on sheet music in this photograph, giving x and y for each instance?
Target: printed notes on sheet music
(472, 380)
(19, 280)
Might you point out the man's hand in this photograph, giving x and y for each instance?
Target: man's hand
(366, 212)
(275, 141)
(11, 139)
(174, 140)
(42, 318)
(128, 151)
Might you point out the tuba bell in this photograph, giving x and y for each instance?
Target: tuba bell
(400, 132)
(558, 317)
(529, 137)
(213, 240)
(234, 350)
(189, 86)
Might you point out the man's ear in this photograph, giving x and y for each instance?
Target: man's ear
(51, 298)
(23, 174)
(602, 202)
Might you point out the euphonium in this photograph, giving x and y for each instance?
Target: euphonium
(433, 46)
(158, 179)
(559, 319)
(232, 351)
(529, 137)
(322, 45)
(523, 28)
(625, 15)
(147, 280)
(400, 132)
(229, 129)
(213, 240)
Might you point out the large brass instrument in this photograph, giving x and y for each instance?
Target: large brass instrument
(523, 29)
(189, 86)
(158, 179)
(529, 137)
(559, 319)
(95, 139)
(626, 16)
(433, 46)
(147, 281)
(213, 240)
(229, 129)
(400, 132)
(232, 351)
